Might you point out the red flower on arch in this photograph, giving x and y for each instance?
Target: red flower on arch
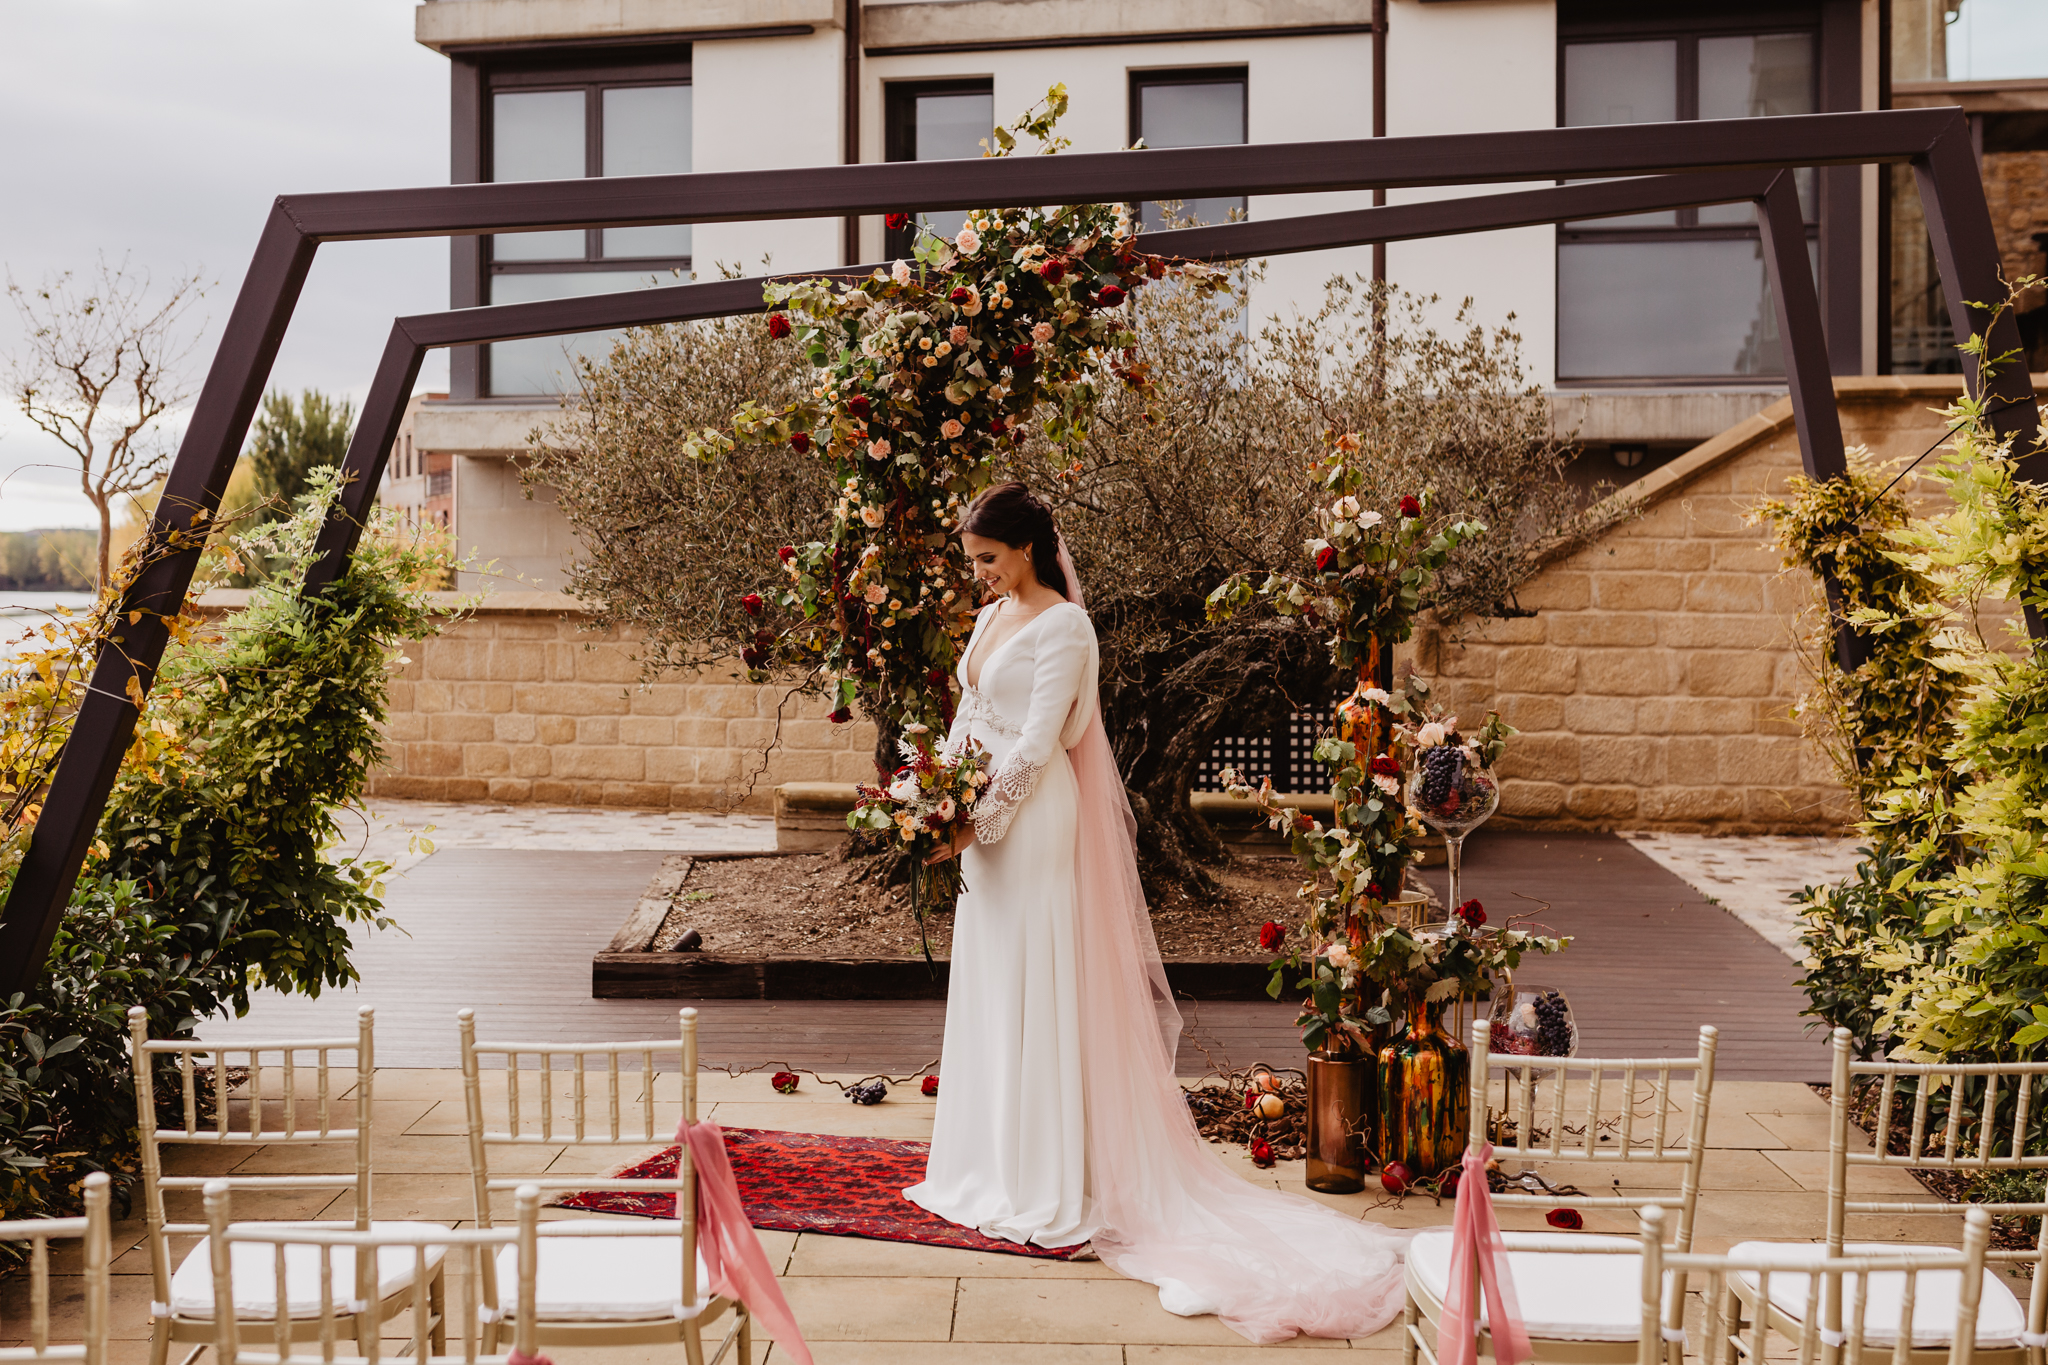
(778, 325)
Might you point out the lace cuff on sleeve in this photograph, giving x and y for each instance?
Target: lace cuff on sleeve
(998, 803)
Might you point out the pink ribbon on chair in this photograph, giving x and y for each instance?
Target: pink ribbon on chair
(1479, 1252)
(732, 1253)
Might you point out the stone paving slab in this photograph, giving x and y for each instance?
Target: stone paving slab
(865, 1301)
(387, 828)
(1753, 876)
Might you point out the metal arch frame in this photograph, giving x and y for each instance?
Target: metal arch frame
(1687, 164)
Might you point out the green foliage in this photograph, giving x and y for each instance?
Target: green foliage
(59, 560)
(1938, 947)
(215, 870)
(289, 441)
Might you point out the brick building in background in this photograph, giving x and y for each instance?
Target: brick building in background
(1654, 335)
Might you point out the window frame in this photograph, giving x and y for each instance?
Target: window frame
(476, 76)
(1686, 31)
(1140, 78)
(899, 136)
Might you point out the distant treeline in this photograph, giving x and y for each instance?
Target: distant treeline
(48, 561)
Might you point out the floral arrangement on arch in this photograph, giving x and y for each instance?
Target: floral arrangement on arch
(924, 374)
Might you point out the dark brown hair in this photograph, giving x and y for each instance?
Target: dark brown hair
(1010, 514)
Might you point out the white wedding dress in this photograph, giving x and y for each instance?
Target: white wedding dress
(1060, 1119)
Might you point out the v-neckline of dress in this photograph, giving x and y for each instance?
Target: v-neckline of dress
(995, 653)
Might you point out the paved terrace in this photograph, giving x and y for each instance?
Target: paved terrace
(879, 1303)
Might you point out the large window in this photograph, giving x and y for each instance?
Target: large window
(1189, 109)
(1684, 294)
(935, 121)
(540, 124)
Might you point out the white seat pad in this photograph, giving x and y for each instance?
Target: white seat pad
(2000, 1318)
(1561, 1297)
(254, 1266)
(608, 1279)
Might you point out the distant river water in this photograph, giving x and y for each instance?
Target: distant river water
(21, 611)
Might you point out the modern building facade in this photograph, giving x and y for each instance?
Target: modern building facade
(1655, 333)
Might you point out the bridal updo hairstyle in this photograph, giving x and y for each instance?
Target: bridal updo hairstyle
(1008, 512)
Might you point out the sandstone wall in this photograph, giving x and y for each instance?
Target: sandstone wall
(1654, 685)
(520, 703)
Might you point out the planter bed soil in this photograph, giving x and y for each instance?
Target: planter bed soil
(808, 926)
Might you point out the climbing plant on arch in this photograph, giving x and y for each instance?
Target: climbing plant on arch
(1679, 165)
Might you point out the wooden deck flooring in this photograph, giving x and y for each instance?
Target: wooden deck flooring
(511, 934)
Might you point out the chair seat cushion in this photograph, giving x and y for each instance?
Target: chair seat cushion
(2000, 1318)
(254, 1265)
(608, 1279)
(1561, 1297)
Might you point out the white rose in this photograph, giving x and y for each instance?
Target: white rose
(904, 787)
(1376, 696)
(1042, 333)
(1430, 735)
(951, 429)
(1339, 956)
(878, 450)
(1346, 507)
(900, 272)
(947, 810)
(872, 515)
(1386, 784)
(969, 241)
(1368, 520)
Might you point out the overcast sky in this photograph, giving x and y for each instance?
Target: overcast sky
(161, 129)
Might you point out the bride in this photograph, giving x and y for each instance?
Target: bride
(1061, 1121)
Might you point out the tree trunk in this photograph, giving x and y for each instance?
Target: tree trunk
(106, 539)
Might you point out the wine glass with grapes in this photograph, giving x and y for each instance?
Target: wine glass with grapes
(1452, 787)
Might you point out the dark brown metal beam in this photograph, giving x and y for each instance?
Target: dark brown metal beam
(1935, 140)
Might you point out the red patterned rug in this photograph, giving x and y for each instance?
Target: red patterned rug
(811, 1182)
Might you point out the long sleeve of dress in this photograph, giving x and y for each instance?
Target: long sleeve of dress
(1060, 660)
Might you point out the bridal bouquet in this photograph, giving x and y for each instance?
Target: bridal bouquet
(923, 802)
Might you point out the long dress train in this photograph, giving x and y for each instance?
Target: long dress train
(1158, 1203)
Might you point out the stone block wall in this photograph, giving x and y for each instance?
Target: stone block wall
(520, 703)
(1655, 682)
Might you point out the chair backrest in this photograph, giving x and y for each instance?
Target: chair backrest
(467, 1250)
(1970, 1137)
(282, 1081)
(1641, 1125)
(37, 1232)
(1821, 1336)
(599, 1115)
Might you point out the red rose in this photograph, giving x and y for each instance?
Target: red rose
(840, 717)
(1325, 557)
(785, 1082)
(1053, 270)
(1386, 765)
(1110, 296)
(1375, 892)
(859, 406)
(1473, 913)
(778, 325)
(995, 426)
(1023, 353)
(800, 442)
(1410, 507)
(1271, 937)
(752, 602)
(961, 294)
(786, 553)
(1568, 1219)
(930, 1087)
(896, 222)
(1251, 1099)
(752, 657)
(1262, 1153)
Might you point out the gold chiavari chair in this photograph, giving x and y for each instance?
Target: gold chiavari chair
(1966, 1135)
(37, 1232)
(291, 1101)
(297, 1272)
(1577, 1310)
(601, 1282)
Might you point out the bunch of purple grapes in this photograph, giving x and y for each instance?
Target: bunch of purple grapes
(1442, 766)
(1553, 1026)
